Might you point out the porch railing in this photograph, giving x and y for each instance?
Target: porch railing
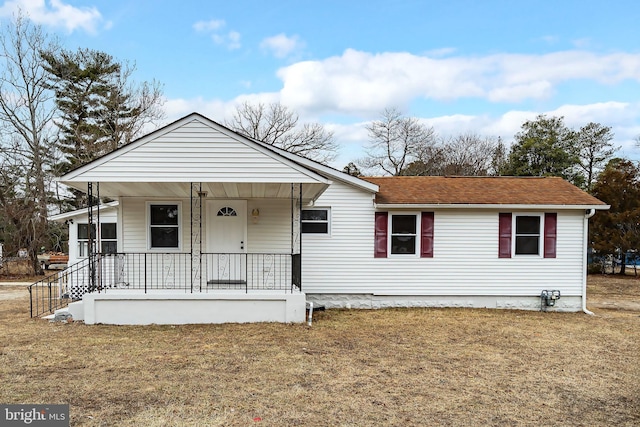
(54, 291)
(148, 271)
(209, 271)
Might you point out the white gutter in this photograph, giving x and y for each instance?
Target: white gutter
(588, 214)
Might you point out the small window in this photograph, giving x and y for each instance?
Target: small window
(164, 226)
(83, 239)
(315, 221)
(227, 211)
(108, 238)
(403, 234)
(527, 235)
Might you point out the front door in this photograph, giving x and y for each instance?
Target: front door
(226, 242)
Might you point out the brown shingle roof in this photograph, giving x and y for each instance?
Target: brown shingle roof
(479, 191)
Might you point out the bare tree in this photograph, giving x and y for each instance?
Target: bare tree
(430, 160)
(276, 125)
(469, 154)
(466, 154)
(26, 110)
(395, 142)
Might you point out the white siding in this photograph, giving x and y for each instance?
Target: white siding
(191, 153)
(465, 258)
(270, 234)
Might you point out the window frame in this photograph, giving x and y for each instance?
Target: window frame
(417, 235)
(82, 243)
(327, 221)
(149, 226)
(108, 240)
(540, 234)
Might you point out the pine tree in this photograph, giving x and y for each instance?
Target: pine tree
(99, 109)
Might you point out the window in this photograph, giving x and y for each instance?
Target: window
(398, 233)
(227, 211)
(403, 234)
(527, 235)
(108, 238)
(530, 234)
(164, 226)
(83, 239)
(315, 221)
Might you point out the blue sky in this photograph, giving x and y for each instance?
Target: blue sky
(461, 66)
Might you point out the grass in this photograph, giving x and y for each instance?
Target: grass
(450, 367)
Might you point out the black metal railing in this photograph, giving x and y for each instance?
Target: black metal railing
(54, 291)
(184, 271)
(147, 271)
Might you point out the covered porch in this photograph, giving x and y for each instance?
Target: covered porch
(205, 259)
(203, 213)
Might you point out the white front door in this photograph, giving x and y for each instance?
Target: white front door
(226, 241)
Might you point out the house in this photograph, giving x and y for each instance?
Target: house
(215, 227)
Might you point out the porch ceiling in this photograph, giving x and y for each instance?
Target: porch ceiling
(221, 190)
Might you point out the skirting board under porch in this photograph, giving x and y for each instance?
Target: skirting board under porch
(167, 307)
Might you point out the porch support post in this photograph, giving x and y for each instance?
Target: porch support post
(296, 237)
(90, 235)
(98, 249)
(300, 238)
(196, 196)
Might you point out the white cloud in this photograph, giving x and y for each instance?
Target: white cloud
(281, 45)
(352, 137)
(229, 39)
(57, 14)
(361, 82)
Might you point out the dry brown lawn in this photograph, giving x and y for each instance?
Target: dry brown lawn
(451, 367)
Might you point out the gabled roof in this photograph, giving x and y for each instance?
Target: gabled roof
(197, 149)
(481, 191)
(193, 148)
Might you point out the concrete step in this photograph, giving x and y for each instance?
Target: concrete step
(76, 309)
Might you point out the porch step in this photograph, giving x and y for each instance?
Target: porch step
(76, 309)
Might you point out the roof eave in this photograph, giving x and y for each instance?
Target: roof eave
(82, 212)
(323, 169)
